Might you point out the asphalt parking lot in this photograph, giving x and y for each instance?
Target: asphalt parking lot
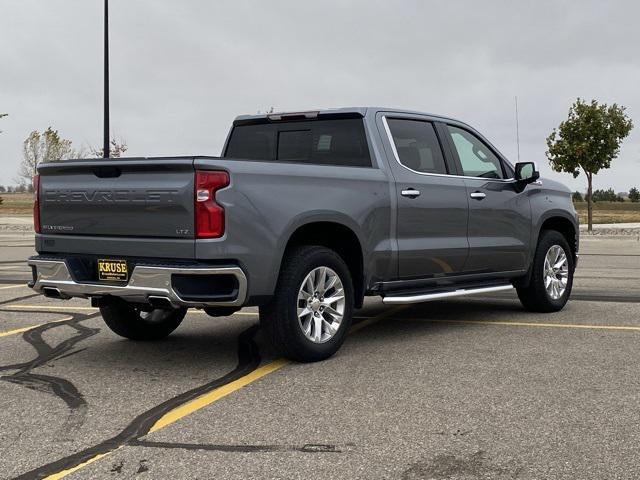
(458, 389)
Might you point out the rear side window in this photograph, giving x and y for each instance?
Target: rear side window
(417, 145)
(322, 142)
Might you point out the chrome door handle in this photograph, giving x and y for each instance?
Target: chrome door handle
(411, 193)
(478, 195)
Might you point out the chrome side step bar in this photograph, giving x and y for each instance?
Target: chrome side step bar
(390, 300)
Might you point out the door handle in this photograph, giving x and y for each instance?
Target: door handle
(411, 193)
(477, 195)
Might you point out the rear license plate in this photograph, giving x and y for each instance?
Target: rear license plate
(113, 270)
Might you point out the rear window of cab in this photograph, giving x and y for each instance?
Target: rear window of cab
(321, 142)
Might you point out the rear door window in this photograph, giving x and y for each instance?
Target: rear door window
(322, 142)
(417, 145)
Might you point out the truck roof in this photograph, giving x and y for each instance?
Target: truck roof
(343, 111)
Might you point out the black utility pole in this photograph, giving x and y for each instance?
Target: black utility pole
(106, 146)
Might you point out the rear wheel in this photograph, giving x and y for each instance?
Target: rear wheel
(310, 314)
(552, 275)
(134, 323)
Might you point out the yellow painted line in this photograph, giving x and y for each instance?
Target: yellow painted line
(50, 308)
(529, 324)
(188, 408)
(64, 473)
(6, 287)
(31, 327)
(208, 398)
(221, 392)
(54, 307)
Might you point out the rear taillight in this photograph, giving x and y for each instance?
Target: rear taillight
(209, 216)
(36, 203)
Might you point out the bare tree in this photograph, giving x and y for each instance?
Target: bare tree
(47, 146)
(3, 115)
(116, 149)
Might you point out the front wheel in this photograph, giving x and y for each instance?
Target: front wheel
(133, 323)
(310, 314)
(552, 275)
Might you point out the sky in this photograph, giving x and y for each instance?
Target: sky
(181, 71)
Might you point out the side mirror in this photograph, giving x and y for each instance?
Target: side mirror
(527, 172)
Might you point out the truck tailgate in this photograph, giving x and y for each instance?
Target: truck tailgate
(118, 198)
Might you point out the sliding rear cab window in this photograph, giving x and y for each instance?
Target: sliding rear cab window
(321, 142)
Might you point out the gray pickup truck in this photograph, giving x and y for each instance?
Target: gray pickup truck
(304, 215)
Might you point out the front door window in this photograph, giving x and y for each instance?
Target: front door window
(476, 158)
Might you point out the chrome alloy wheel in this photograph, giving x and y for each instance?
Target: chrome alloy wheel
(556, 272)
(321, 304)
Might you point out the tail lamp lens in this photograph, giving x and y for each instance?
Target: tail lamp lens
(209, 216)
(36, 203)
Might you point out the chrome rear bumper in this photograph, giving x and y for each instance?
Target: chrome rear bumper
(147, 284)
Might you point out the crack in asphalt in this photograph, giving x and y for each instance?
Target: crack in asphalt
(306, 448)
(57, 386)
(248, 360)
(17, 299)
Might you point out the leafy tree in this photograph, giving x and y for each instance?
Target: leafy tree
(577, 197)
(588, 141)
(47, 146)
(116, 149)
(634, 195)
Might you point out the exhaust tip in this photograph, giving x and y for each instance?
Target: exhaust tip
(52, 292)
(160, 302)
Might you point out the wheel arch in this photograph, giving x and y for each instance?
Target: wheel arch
(338, 237)
(559, 222)
(566, 227)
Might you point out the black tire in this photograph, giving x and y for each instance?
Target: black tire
(279, 318)
(126, 320)
(535, 297)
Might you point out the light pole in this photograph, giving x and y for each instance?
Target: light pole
(106, 146)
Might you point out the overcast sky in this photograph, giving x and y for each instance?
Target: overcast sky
(182, 70)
